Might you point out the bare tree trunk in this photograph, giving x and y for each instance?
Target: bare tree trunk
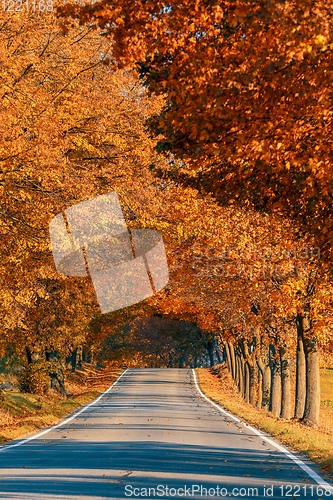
(285, 384)
(300, 371)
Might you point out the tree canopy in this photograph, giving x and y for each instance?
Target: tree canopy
(248, 103)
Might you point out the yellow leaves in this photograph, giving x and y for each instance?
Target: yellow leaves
(320, 39)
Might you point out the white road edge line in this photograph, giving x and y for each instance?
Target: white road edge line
(290, 455)
(84, 408)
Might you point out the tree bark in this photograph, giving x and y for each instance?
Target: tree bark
(237, 368)
(91, 355)
(285, 384)
(57, 379)
(227, 352)
(266, 381)
(210, 349)
(253, 384)
(28, 354)
(275, 396)
(247, 383)
(260, 382)
(312, 399)
(232, 357)
(252, 372)
(78, 360)
(73, 360)
(217, 351)
(300, 371)
(241, 374)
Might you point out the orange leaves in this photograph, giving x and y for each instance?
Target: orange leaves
(71, 128)
(258, 71)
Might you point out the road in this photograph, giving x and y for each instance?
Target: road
(152, 430)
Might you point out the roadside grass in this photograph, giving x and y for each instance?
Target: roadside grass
(317, 444)
(23, 413)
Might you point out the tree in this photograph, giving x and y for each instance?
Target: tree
(247, 86)
(72, 127)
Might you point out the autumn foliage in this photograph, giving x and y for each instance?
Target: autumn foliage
(239, 105)
(248, 96)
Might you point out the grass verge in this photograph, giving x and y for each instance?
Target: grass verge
(23, 413)
(317, 444)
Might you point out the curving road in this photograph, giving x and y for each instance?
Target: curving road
(153, 433)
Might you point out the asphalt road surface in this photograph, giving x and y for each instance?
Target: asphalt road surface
(153, 436)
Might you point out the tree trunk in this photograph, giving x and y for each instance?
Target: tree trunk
(227, 352)
(91, 355)
(57, 379)
(253, 383)
(56, 373)
(275, 396)
(300, 371)
(78, 360)
(210, 349)
(266, 381)
(259, 400)
(232, 357)
(73, 360)
(241, 374)
(217, 351)
(251, 372)
(312, 400)
(28, 354)
(237, 368)
(285, 384)
(247, 383)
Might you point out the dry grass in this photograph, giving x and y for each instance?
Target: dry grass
(315, 443)
(22, 413)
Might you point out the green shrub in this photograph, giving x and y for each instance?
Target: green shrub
(35, 378)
